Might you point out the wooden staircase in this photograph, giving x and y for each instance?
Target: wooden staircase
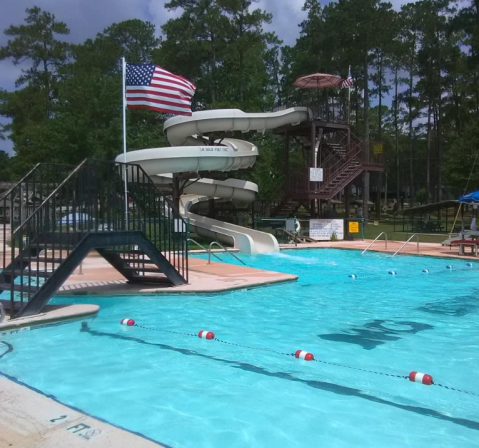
(88, 211)
(342, 161)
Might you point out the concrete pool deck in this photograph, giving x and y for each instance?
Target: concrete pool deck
(99, 278)
(425, 249)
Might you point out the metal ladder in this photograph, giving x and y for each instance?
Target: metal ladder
(412, 236)
(210, 253)
(375, 239)
(203, 247)
(224, 249)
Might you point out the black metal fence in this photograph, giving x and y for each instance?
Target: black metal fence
(21, 201)
(94, 197)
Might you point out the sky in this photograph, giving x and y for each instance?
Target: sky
(86, 18)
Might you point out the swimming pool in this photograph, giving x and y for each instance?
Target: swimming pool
(187, 392)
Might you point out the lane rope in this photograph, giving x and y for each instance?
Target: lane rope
(414, 376)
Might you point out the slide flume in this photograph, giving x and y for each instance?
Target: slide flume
(195, 147)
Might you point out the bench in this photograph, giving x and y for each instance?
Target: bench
(466, 243)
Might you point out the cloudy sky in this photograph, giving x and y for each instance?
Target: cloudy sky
(85, 18)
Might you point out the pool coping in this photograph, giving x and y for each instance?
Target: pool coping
(173, 292)
(427, 248)
(31, 417)
(52, 314)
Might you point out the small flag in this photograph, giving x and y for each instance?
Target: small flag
(149, 86)
(347, 83)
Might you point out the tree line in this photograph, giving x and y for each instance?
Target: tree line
(419, 67)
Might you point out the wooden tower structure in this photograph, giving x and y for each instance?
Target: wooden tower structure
(327, 145)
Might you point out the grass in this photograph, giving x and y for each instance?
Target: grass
(371, 231)
(205, 242)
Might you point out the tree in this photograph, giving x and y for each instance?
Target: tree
(36, 43)
(245, 34)
(194, 45)
(135, 38)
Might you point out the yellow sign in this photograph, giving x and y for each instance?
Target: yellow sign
(378, 149)
(354, 227)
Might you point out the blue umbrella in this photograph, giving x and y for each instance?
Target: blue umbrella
(79, 218)
(470, 198)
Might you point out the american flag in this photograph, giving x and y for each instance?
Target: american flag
(149, 86)
(347, 83)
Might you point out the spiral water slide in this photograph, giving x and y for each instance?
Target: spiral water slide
(199, 146)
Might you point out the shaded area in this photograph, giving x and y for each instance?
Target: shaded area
(457, 307)
(5, 350)
(375, 333)
(316, 384)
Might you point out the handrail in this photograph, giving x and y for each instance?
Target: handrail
(203, 247)
(91, 199)
(50, 196)
(23, 179)
(412, 236)
(226, 250)
(375, 239)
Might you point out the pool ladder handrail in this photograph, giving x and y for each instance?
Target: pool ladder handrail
(224, 248)
(203, 247)
(409, 239)
(375, 239)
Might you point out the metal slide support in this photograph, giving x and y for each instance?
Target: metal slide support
(412, 236)
(375, 239)
(224, 248)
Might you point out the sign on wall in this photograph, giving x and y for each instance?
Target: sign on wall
(315, 174)
(291, 225)
(323, 229)
(353, 227)
(378, 148)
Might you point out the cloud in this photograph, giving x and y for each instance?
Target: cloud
(6, 145)
(287, 15)
(85, 18)
(9, 73)
(159, 15)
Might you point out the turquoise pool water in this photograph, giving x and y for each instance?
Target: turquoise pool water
(187, 393)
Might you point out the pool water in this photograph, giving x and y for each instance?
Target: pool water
(186, 392)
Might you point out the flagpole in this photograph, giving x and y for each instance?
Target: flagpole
(125, 173)
(349, 96)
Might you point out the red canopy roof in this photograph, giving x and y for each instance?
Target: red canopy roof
(318, 81)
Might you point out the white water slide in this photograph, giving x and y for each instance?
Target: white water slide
(191, 152)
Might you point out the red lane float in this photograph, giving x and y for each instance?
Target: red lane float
(206, 334)
(423, 378)
(129, 322)
(301, 354)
